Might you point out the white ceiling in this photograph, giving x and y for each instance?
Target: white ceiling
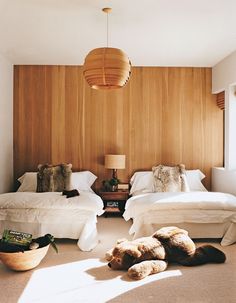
(151, 32)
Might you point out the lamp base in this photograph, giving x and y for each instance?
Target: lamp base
(114, 173)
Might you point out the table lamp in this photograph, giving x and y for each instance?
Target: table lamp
(114, 162)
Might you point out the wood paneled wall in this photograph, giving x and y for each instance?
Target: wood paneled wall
(163, 115)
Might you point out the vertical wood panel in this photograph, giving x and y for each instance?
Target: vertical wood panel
(58, 132)
(73, 121)
(164, 115)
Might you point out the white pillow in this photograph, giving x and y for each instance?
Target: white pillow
(82, 180)
(142, 182)
(194, 178)
(79, 180)
(28, 182)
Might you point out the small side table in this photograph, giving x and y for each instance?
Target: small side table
(114, 201)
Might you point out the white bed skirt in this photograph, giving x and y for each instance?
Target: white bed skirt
(59, 223)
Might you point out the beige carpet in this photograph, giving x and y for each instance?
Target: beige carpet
(75, 276)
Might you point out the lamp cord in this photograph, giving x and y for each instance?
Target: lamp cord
(107, 10)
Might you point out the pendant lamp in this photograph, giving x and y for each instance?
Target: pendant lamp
(107, 67)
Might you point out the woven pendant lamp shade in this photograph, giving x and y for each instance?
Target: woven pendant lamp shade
(107, 68)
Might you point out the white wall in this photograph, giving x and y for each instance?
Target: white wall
(6, 125)
(224, 73)
(224, 79)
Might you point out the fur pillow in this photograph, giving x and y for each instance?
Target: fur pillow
(170, 179)
(54, 178)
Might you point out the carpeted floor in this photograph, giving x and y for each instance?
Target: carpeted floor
(75, 276)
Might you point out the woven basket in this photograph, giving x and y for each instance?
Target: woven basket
(21, 261)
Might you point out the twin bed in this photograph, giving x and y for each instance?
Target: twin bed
(51, 212)
(204, 214)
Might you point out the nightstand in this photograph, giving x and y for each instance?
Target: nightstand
(114, 201)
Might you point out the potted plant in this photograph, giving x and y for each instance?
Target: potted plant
(111, 185)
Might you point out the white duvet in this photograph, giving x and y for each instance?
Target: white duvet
(51, 200)
(187, 201)
(50, 212)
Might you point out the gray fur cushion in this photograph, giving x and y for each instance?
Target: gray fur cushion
(54, 178)
(170, 179)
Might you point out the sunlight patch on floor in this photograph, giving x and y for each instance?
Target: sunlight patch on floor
(73, 282)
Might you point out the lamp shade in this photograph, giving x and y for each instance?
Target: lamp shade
(106, 68)
(115, 161)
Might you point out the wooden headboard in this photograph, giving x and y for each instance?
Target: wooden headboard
(163, 115)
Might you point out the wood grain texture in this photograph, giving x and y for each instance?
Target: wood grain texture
(163, 115)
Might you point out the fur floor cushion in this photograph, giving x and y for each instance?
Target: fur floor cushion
(54, 178)
(150, 255)
(170, 179)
